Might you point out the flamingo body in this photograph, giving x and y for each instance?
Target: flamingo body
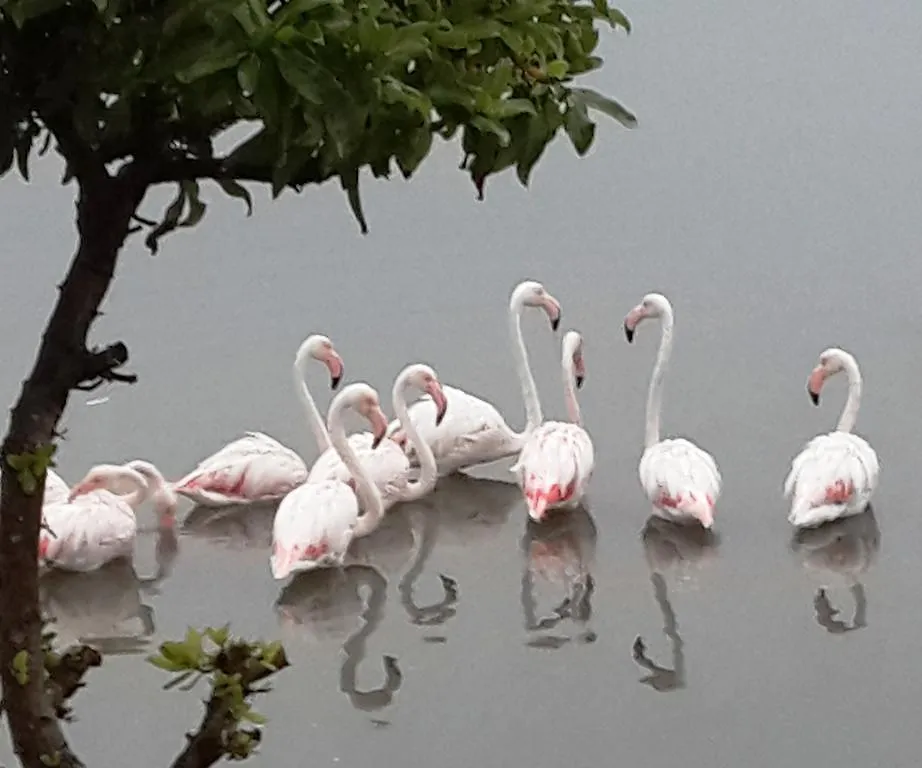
(472, 432)
(387, 466)
(555, 467)
(56, 489)
(252, 468)
(833, 477)
(681, 480)
(313, 527)
(90, 531)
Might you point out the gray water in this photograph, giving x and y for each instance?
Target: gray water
(771, 190)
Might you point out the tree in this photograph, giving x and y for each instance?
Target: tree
(137, 93)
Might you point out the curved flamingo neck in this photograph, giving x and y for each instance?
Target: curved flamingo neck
(428, 470)
(142, 489)
(314, 419)
(533, 414)
(853, 402)
(365, 489)
(569, 387)
(655, 393)
(158, 486)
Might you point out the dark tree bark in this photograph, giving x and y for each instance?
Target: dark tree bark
(104, 209)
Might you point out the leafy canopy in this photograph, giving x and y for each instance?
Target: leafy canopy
(329, 86)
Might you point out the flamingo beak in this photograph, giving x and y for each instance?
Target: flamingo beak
(79, 490)
(552, 307)
(379, 427)
(579, 368)
(335, 364)
(631, 321)
(538, 510)
(434, 389)
(815, 383)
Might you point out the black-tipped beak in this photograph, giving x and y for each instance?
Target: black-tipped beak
(439, 417)
(628, 333)
(377, 441)
(336, 380)
(814, 396)
(579, 381)
(555, 323)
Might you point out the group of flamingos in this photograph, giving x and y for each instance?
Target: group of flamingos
(357, 478)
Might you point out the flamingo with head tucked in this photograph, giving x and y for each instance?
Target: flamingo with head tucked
(96, 523)
(836, 474)
(474, 431)
(257, 467)
(556, 463)
(680, 479)
(316, 522)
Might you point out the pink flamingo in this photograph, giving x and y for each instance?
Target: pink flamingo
(387, 465)
(556, 463)
(680, 479)
(96, 523)
(257, 467)
(836, 474)
(474, 432)
(316, 522)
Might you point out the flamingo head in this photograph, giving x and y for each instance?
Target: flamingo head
(365, 401)
(531, 293)
(424, 378)
(321, 349)
(102, 476)
(165, 498)
(832, 361)
(654, 305)
(573, 354)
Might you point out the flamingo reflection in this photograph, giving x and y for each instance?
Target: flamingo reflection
(678, 548)
(104, 608)
(560, 551)
(839, 553)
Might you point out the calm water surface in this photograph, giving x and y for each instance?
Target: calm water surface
(772, 192)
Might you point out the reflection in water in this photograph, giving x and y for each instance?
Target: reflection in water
(840, 551)
(560, 551)
(670, 547)
(326, 601)
(236, 527)
(103, 608)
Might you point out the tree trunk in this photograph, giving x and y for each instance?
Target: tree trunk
(104, 209)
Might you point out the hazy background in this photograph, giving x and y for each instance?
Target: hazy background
(771, 192)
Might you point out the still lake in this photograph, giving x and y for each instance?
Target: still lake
(768, 191)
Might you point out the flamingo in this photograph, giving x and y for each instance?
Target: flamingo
(680, 479)
(474, 432)
(557, 460)
(96, 523)
(257, 467)
(835, 475)
(316, 522)
(387, 464)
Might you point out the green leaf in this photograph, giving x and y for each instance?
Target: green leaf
(350, 183)
(20, 667)
(169, 222)
(297, 71)
(512, 107)
(595, 100)
(557, 69)
(222, 58)
(162, 662)
(413, 150)
(235, 189)
(218, 635)
(248, 74)
(255, 717)
(486, 125)
(19, 461)
(579, 127)
(27, 481)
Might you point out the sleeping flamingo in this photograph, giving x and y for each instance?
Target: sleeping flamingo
(836, 474)
(96, 523)
(474, 432)
(681, 480)
(556, 463)
(387, 465)
(257, 467)
(316, 522)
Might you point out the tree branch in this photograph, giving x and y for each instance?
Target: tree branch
(227, 168)
(65, 676)
(219, 734)
(100, 365)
